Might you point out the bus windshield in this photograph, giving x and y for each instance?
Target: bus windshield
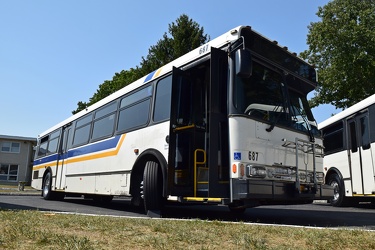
(263, 96)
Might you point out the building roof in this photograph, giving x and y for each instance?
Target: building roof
(18, 138)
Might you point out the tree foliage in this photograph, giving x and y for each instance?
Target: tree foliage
(342, 47)
(185, 35)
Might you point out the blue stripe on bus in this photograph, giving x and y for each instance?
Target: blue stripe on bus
(149, 76)
(103, 145)
(46, 159)
(88, 149)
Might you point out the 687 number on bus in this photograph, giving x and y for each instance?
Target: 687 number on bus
(253, 156)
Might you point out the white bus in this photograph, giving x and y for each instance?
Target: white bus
(227, 123)
(349, 160)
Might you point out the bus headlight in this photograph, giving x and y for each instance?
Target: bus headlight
(320, 177)
(256, 171)
(281, 173)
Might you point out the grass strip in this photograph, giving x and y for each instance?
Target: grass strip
(35, 230)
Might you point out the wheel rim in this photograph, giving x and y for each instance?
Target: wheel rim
(46, 185)
(336, 190)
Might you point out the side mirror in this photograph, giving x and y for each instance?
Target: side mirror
(243, 63)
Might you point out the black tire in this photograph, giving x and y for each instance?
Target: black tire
(338, 199)
(152, 187)
(46, 189)
(47, 192)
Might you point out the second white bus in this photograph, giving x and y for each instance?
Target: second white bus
(349, 161)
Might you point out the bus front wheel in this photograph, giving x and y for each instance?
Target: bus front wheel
(46, 190)
(152, 187)
(338, 199)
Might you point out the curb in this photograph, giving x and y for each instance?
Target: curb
(20, 194)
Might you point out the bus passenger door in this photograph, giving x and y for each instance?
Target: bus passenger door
(360, 158)
(63, 155)
(218, 139)
(187, 130)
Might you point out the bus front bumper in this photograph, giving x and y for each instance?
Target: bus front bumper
(276, 192)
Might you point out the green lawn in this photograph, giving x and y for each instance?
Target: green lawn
(37, 230)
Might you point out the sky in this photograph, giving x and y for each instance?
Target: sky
(54, 54)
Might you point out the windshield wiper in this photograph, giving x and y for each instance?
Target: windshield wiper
(308, 126)
(276, 120)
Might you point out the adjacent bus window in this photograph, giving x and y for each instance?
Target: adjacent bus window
(365, 134)
(333, 138)
(104, 121)
(82, 132)
(163, 99)
(353, 136)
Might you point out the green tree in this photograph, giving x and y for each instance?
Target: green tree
(185, 35)
(342, 47)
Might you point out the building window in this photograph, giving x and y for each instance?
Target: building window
(8, 172)
(10, 147)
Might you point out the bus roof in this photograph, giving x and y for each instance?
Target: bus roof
(349, 111)
(199, 52)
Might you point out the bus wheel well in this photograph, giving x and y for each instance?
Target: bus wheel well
(139, 167)
(332, 171)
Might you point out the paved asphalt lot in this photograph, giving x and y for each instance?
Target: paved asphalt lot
(316, 215)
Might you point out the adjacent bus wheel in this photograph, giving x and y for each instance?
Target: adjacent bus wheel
(46, 190)
(338, 198)
(152, 187)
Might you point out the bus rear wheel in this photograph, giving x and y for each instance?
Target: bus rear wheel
(152, 187)
(338, 199)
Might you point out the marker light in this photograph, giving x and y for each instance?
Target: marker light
(234, 168)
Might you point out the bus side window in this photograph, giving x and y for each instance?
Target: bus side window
(134, 116)
(53, 142)
(163, 99)
(333, 138)
(82, 130)
(43, 146)
(353, 137)
(104, 121)
(135, 110)
(365, 135)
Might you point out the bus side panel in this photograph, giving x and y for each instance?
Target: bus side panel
(340, 161)
(40, 167)
(368, 171)
(113, 184)
(372, 149)
(108, 171)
